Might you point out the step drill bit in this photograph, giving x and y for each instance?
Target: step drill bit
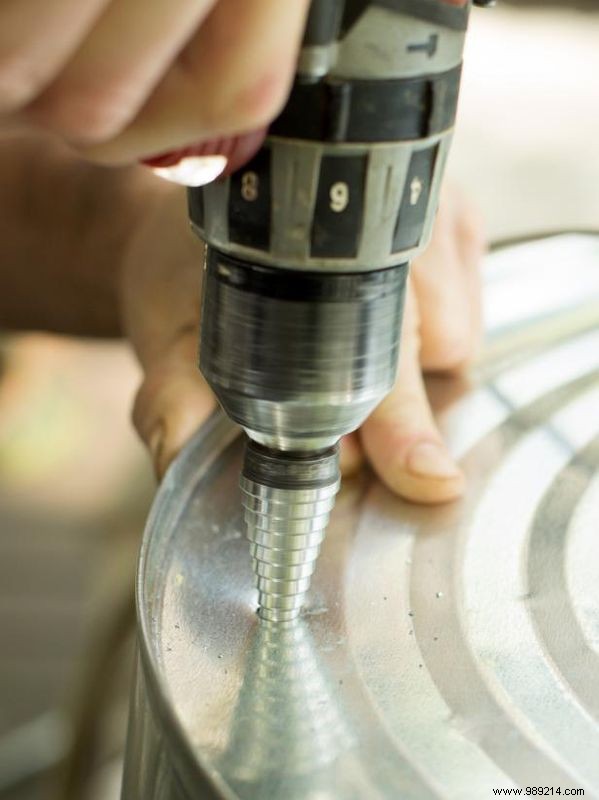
(307, 259)
(287, 499)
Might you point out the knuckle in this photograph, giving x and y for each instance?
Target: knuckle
(236, 98)
(449, 352)
(474, 235)
(89, 115)
(471, 227)
(150, 428)
(248, 111)
(139, 411)
(148, 410)
(263, 99)
(250, 104)
(396, 413)
(20, 80)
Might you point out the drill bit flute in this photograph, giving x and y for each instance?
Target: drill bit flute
(307, 260)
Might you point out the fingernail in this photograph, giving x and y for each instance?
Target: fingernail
(193, 170)
(156, 447)
(431, 459)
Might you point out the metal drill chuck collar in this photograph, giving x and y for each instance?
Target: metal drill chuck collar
(287, 500)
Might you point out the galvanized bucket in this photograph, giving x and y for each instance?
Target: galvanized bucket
(444, 653)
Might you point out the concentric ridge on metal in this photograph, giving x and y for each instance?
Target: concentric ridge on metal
(443, 653)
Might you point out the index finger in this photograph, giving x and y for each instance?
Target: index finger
(232, 77)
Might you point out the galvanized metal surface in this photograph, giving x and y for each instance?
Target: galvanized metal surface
(444, 653)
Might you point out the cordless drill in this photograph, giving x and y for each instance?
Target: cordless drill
(308, 248)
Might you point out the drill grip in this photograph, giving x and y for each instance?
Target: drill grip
(348, 179)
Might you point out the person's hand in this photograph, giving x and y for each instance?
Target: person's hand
(132, 79)
(135, 78)
(442, 326)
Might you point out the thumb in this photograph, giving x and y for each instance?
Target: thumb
(400, 437)
(173, 400)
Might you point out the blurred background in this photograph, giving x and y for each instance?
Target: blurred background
(75, 486)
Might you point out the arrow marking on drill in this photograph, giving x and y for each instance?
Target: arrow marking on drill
(429, 47)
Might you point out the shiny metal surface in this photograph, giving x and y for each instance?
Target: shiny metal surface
(287, 503)
(300, 363)
(443, 652)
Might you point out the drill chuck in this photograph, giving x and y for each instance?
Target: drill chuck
(299, 359)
